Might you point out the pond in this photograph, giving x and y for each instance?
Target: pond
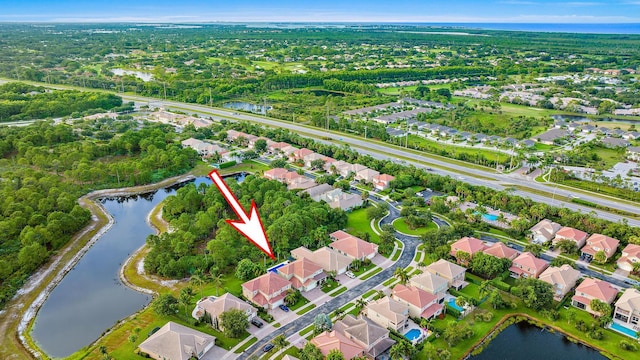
(139, 74)
(526, 341)
(245, 106)
(91, 298)
(582, 119)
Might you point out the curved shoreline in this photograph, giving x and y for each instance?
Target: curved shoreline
(87, 201)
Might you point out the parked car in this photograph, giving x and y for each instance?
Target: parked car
(257, 322)
(267, 347)
(350, 275)
(284, 308)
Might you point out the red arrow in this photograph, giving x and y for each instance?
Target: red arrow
(249, 225)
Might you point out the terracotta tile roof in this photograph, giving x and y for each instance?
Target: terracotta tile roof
(599, 242)
(630, 300)
(500, 250)
(302, 268)
(329, 259)
(431, 310)
(328, 341)
(572, 234)
(268, 283)
(564, 275)
(339, 235)
(528, 260)
(390, 309)
(470, 245)
(276, 173)
(176, 342)
(354, 247)
(384, 178)
(413, 295)
(446, 269)
(597, 289)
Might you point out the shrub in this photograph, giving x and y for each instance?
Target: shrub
(501, 285)
(227, 164)
(626, 345)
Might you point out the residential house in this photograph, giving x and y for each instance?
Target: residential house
(544, 231)
(203, 148)
(214, 306)
(388, 313)
(300, 154)
(568, 233)
(562, 279)
(450, 271)
(280, 147)
(633, 153)
(366, 175)
(611, 142)
(313, 157)
(329, 259)
(318, 190)
(527, 265)
(275, 174)
(267, 291)
(599, 242)
(431, 283)
(352, 246)
(627, 310)
(631, 135)
(469, 245)
(382, 181)
(421, 303)
(551, 136)
(355, 168)
(502, 251)
(630, 256)
(337, 199)
(355, 337)
(591, 289)
(301, 183)
(177, 342)
(338, 167)
(303, 274)
(528, 143)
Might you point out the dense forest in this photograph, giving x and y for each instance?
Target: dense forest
(20, 101)
(197, 215)
(45, 168)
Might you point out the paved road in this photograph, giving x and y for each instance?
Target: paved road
(381, 151)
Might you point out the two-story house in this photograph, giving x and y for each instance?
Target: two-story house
(267, 291)
(303, 274)
(352, 246)
(468, 245)
(381, 182)
(597, 243)
(568, 233)
(354, 337)
(329, 259)
(388, 313)
(501, 251)
(421, 303)
(431, 283)
(453, 273)
(214, 306)
(528, 266)
(562, 279)
(367, 175)
(627, 311)
(544, 231)
(591, 289)
(630, 257)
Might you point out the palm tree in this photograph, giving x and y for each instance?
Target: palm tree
(217, 282)
(485, 288)
(338, 313)
(185, 298)
(291, 297)
(280, 342)
(402, 274)
(198, 280)
(360, 304)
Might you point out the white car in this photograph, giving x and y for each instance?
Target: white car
(350, 275)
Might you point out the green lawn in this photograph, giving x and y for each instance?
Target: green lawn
(358, 222)
(471, 290)
(429, 144)
(329, 285)
(246, 166)
(301, 302)
(372, 273)
(400, 225)
(338, 292)
(363, 269)
(244, 346)
(306, 309)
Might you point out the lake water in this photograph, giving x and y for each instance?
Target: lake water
(139, 74)
(90, 298)
(245, 106)
(526, 341)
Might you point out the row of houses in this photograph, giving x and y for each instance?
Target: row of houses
(547, 230)
(180, 119)
(308, 270)
(448, 132)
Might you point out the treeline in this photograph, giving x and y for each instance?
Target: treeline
(197, 215)
(45, 169)
(529, 211)
(348, 86)
(19, 101)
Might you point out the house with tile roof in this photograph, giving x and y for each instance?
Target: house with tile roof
(568, 233)
(300, 154)
(279, 147)
(338, 199)
(382, 181)
(591, 289)
(366, 175)
(338, 167)
(308, 159)
(371, 336)
(431, 283)
(599, 242)
(469, 245)
(303, 274)
(544, 231)
(352, 246)
(501, 251)
(333, 340)
(214, 306)
(318, 190)
(627, 310)
(301, 183)
(453, 273)
(267, 291)
(388, 313)
(562, 279)
(275, 174)
(528, 266)
(329, 259)
(177, 342)
(630, 256)
(421, 303)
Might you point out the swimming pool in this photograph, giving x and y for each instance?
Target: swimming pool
(452, 303)
(413, 334)
(490, 217)
(275, 268)
(619, 328)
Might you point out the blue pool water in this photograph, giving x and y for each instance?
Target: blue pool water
(619, 328)
(412, 334)
(275, 268)
(452, 303)
(490, 217)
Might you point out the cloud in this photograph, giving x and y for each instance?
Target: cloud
(517, 2)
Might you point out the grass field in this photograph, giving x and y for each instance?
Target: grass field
(358, 222)
(488, 154)
(400, 225)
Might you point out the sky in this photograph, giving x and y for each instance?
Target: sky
(429, 11)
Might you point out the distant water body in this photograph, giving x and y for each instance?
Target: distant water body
(563, 28)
